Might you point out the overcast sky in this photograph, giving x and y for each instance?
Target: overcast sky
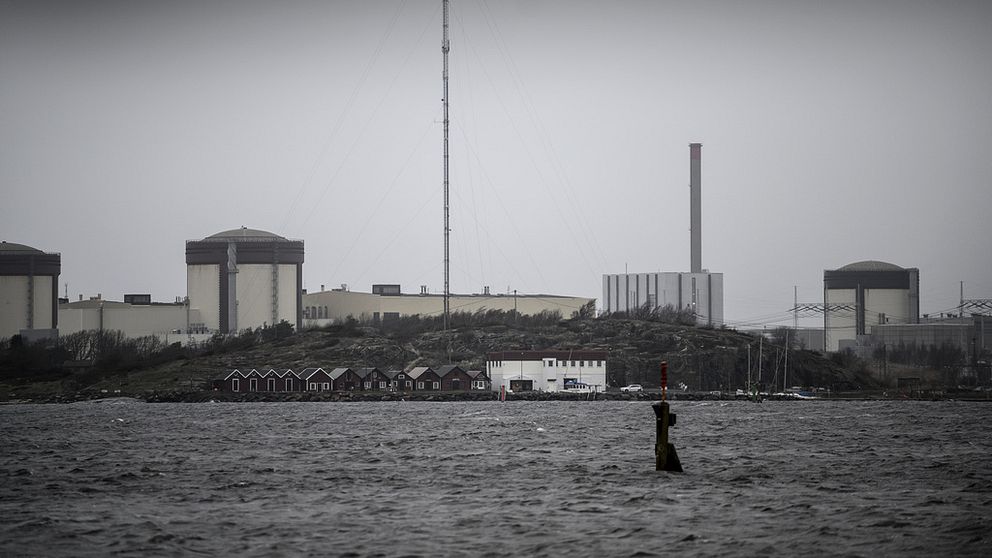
(832, 132)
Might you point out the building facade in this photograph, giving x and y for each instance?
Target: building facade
(321, 308)
(29, 290)
(546, 370)
(244, 279)
(867, 293)
(700, 293)
(169, 321)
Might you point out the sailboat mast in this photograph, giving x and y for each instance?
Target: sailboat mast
(760, 342)
(445, 47)
(749, 369)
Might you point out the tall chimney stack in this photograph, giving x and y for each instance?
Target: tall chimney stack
(695, 209)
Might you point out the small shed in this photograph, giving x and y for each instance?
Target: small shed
(372, 379)
(254, 379)
(454, 378)
(399, 380)
(425, 379)
(287, 381)
(345, 379)
(316, 379)
(480, 380)
(234, 381)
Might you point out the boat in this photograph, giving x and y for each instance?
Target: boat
(578, 387)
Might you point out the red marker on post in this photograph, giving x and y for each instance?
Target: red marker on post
(664, 380)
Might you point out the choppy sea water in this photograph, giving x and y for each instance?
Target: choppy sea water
(121, 477)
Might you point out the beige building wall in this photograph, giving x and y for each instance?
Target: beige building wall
(254, 296)
(892, 305)
(14, 304)
(839, 325)
(203, 290)
(43, 302)
(134, 320)
(341, 304)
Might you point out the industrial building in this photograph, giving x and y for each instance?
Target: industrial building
(387, 301)
(137, 316)
(698, 291)
(867, 293)
(972, 335)
(29, 291)
(245, 278)
(550, 370)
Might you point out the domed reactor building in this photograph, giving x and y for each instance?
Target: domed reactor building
(245, 278)
(864, 294)
(29, 289)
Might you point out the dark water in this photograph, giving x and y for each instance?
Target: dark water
(499, 479)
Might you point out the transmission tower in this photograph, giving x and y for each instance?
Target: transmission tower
(445, 47)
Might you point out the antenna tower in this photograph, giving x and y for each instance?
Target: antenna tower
(445, 47)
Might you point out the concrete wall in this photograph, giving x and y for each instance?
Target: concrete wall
(890, 305)
(839, 325)
(203, 290)
(14, 304)
(894, 306)
(254, 295)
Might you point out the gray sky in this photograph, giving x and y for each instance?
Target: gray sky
(832, 132)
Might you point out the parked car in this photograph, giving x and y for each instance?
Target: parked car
(632, 388)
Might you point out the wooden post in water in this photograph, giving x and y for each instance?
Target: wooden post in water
(665, 456)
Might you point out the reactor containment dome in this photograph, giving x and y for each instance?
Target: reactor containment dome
(29, 289)
(245, 278)
(867, 293)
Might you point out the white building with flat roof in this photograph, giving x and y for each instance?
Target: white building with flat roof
(547, 370)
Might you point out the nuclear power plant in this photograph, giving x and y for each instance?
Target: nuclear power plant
(235, 280)
(863, 294)
(698, 291)
(29, 290)
(245, 278)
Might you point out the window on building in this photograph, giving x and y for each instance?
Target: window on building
(382, 385)
(289, 384)
(253, 384)
(235, 385)
(313, 386)
(400, 376)
(327, 386)
(420, 385)
(271, 384)
(437, 385)
(368, 385)
(409, 384)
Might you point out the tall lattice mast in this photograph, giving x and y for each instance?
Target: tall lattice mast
(445, 47)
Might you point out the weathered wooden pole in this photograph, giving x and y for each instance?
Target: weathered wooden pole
(665, 456)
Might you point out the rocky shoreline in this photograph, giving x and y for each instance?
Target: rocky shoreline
(177, 396)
